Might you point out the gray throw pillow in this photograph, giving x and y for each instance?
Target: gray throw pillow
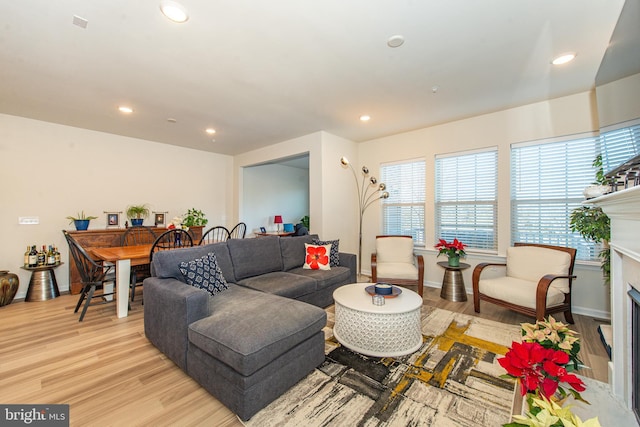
(334, 255)
(204, 273)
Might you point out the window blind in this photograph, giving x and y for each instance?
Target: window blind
(465, 199)
(619, 145)
(547, 183)
(403, 211)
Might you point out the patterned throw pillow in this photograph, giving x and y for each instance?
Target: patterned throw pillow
(317, 257)
(204, 273)
(334, 257)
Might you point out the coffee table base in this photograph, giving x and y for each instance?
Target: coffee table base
(378, 334)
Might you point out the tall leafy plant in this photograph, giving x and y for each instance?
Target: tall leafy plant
(593, 224)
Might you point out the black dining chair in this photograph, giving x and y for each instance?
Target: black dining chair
(93, 275)
(171, 239)
(239, 231)
(215, 234)
(138, 235)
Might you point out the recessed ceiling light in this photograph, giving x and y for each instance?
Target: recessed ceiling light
(395, 41)
(174, 11)
(365, 118)
(564, 58)
(210, 131)
(125, 109)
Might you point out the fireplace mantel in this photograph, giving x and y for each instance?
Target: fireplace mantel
(623, 208)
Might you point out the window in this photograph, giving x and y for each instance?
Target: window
(619, 145)
(465, 205)
(403, 211)
(547, 182)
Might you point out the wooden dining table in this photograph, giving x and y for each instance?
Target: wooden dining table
(123, 257)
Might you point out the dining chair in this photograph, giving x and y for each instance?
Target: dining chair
(93, 275)
(138, 235)
(171, 239)
(239, 231)
(215, 234)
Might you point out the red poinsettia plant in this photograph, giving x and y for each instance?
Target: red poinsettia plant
(455, 248)
(543, 360)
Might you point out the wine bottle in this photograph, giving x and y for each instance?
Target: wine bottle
(42, 256)
(56, 254)
(51, 259)
(33, 257)
(26, 256)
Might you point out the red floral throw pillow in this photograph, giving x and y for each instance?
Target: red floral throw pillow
(317, 257)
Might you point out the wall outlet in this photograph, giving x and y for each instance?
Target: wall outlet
(28, 220)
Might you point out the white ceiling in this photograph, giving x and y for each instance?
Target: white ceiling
(261, 72)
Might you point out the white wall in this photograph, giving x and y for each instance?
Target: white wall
(274, 190)
(554, 118)
(53, 171)
(619, 101)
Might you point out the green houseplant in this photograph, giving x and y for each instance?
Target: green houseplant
(137, 214)
(194, 217)
(593, 224)
(81, 221)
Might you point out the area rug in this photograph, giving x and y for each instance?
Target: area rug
(452, 380)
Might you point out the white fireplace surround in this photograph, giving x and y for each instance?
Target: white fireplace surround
(623, 208)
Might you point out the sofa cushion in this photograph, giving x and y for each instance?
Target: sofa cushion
(325, 278)
(292, 250)
(252, 257)
(532, 263)
(248, 329)
(204, 273)
(334, 257)
(166, 264)
(281, 283)
(317, 257)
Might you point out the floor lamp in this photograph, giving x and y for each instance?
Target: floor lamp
(367, 195)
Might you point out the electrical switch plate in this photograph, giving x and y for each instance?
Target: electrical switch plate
(29, 220)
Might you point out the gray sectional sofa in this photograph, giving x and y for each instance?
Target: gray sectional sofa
(250, 343)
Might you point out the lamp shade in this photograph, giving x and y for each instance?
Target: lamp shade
(277, 219)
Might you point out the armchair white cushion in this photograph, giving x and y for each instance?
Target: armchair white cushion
(395, 262)
(537, 281)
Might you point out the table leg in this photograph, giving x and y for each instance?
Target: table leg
(453, 286)
(123, 272)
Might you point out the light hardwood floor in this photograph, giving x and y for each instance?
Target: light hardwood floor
(110, 375)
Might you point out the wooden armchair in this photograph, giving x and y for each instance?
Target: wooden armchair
(537, 281)
(395, 262)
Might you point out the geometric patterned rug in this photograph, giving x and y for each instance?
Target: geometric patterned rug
(452, 380)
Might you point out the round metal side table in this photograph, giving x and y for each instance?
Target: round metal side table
(452, 283)
(43, 285)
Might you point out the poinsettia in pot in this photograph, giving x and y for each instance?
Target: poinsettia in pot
(454, 251)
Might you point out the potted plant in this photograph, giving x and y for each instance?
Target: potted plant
(593, 224)
(137, 214)
(194, 218)
(81, 221)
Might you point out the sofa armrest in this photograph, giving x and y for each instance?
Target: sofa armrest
(170, 306)
(349, 261)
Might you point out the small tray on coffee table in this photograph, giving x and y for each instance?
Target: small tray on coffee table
(395, 291)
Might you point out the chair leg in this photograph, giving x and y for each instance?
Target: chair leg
(133, 280)
(86, 304)
(568, 316)
(476, 302)
(83, 294)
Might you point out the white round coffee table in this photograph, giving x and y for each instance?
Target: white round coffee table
(388, 330)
